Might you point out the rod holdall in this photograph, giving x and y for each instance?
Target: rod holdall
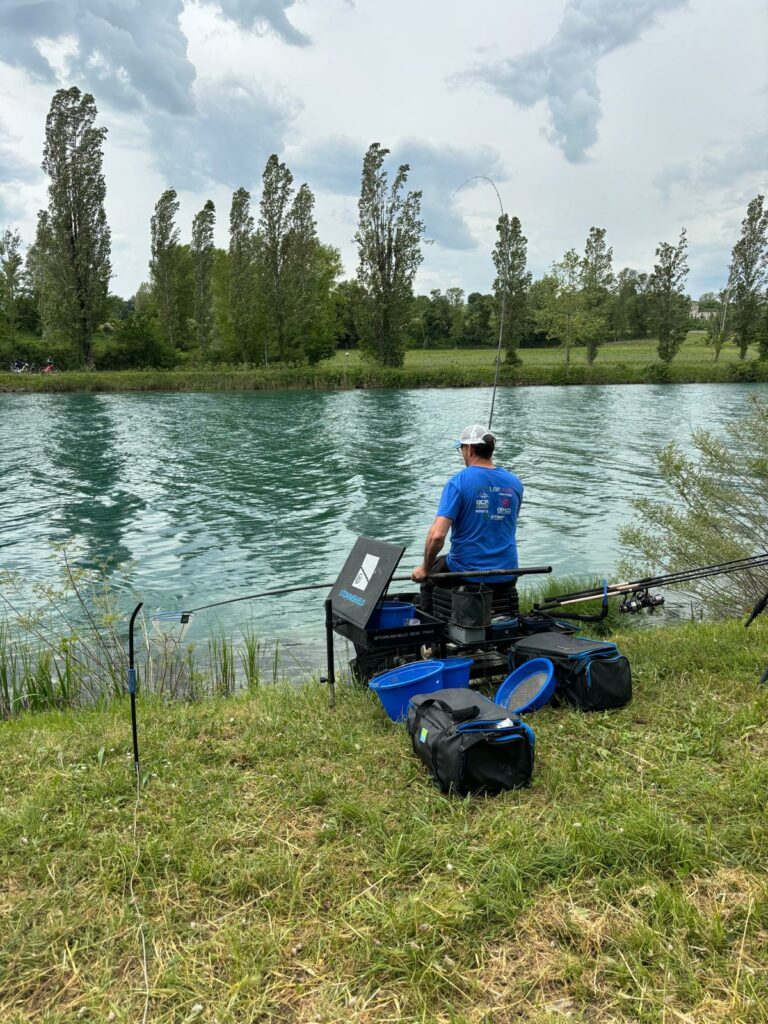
(591, 675)
(470, 744)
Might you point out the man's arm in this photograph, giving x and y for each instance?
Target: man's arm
(432, 547)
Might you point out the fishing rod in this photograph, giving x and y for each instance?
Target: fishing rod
(183, 618)
(492, 183)
(761, 605)
(637, 592)
(533, 571)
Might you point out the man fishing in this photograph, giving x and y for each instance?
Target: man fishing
(479, 507)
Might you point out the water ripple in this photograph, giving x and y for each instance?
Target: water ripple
(215, 496)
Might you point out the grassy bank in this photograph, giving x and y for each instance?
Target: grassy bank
(292, 864)
(632, 362)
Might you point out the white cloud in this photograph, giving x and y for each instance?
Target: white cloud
(129, 53)
(234, 129)
(724, 167)
(197, 94)
(563, 73)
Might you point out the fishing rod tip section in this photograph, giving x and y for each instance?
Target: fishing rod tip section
(174, 623)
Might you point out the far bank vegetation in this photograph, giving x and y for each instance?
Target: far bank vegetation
(276, 294)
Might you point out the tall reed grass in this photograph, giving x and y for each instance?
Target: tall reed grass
(65, 646)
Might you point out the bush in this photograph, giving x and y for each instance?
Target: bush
(719, 512)
(744, 373)
(657, 373)
(135, 343)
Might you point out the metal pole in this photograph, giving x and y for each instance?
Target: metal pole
(329, 651)
(132, 691)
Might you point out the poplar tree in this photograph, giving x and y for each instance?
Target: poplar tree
(388, 239)
(669, 306)
(511, 284)
(309, 273)
(596, 282)
(163, 264)
(272, 255)
(202, 271)
(747, 276)
(241, 273)
(11, 275)
(294, 271)
(73, 239)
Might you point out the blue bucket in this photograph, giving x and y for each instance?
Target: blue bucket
(391, 614)
(396, 687)
(456, 672)
(528, 688)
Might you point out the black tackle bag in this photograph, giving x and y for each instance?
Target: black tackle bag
(590, 674)
(470, 744)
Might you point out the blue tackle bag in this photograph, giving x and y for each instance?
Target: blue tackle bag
(591, 675)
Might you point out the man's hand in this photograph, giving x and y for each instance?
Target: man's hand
(434, 545)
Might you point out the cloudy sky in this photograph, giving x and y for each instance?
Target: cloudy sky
(639, 116)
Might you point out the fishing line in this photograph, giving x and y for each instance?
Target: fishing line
(135, 902)
(137, 847)
(492, 183)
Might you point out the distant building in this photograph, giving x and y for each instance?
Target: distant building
(701, 314)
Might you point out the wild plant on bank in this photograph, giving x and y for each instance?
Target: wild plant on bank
(66, 646)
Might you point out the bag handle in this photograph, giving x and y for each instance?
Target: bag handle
(457, 714)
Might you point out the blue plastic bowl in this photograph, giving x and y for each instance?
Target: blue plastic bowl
(391, 614)
(456, 672)
(396, 687)
(528, 688)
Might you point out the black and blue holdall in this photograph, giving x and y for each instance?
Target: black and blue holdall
(470, 744)
(590, 674)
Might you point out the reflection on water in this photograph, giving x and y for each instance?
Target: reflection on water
(218, 495)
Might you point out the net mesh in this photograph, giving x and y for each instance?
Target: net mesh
(525, 691)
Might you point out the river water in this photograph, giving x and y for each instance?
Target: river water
(213, 496)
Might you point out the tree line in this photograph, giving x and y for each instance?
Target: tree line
(275, 294)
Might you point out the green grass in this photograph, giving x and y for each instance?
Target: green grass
(294, 864)
(638, 351)
(633, 362)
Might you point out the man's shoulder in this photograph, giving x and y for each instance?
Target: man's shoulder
(508, 481)
(457, 477)
(510, 475)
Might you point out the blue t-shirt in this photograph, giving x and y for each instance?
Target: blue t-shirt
(483, 505)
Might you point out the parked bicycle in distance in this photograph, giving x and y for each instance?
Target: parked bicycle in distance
(22, 366)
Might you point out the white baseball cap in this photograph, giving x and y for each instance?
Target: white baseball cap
(476, 434)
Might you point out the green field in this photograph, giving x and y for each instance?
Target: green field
(289, 864)
(632, 362)
(694, 351)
